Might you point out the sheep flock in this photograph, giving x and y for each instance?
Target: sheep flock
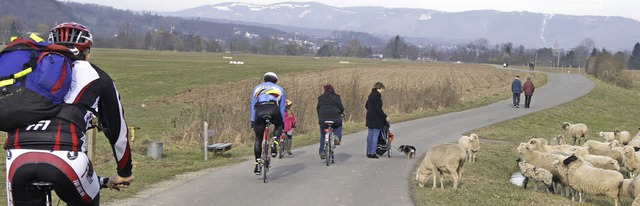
(607, 165)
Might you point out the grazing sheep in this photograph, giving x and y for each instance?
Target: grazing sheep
(601, 145)
(622, 136)
(577, 131)
(544, 141)
(608, 136)
(587, 179)
(530, 171)
(617, 153)
(629, 187)
(634, 142)
(471, 144)
(444, 158)
(631, 161)
(538, 145)
(542, 160)
(602, 162)
(563, 178)
(558, 140)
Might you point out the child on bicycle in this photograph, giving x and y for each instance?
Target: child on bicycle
(289, 124)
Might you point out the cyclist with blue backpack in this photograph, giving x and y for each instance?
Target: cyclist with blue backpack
(53, 149)
(267, 99)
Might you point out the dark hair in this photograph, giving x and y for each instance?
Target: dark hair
(378, 85)
(328, 88)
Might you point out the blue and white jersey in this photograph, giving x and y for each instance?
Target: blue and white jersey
(265, 93)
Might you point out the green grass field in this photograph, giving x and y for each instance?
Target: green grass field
(486, 182)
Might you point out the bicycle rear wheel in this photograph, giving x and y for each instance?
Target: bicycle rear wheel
(283, 146)
(328, 149)
(265, 160)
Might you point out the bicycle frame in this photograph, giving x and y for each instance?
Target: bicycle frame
(328, 142)
(266, 150)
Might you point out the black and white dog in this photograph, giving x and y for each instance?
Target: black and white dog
(408, 150)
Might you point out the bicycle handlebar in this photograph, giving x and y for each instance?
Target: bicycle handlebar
(105, 180)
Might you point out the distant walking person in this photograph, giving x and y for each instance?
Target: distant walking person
(376, 119)
(531, 66)
(528, 89)
(516, 88)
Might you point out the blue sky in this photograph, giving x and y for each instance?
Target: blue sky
(623, 8)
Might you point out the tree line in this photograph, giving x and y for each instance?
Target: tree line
(341, 43)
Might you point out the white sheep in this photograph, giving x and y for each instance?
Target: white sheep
(634, 142)
(540, 159)
(563, 178)
(558, 140)
(471, 144)
(444, 158)
(607, 136)
(603, 162)
(629, 187)
(601, 145)
(631, 161)
(617, 153)
(538, 145)
(636, 201)
(577, 131)
(587, 179)
(622, 136)
(530, 171)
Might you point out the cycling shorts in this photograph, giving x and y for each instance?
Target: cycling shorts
(72, 174)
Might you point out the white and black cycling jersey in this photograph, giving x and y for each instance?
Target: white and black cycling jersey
(92, 90)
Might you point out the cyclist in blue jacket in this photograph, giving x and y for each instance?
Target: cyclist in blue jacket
(267, 99)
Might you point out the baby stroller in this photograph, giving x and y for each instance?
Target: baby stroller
(384, 141)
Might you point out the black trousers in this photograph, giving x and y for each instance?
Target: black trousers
(527, 101)
(516, 99)
(276, 119)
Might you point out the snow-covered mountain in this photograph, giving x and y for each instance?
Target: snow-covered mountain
(521, 28)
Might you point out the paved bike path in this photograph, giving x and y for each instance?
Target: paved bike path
(303, 179)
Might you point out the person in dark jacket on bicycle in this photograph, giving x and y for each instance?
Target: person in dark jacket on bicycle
(329, 109)
(376, 119)
(54, 149)
(267, 99)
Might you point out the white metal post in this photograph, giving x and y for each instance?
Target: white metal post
(205, 134)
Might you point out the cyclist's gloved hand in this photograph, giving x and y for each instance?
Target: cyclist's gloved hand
(252, 122)
(115, 181)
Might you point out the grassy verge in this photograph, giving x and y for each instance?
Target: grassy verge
(486, 182)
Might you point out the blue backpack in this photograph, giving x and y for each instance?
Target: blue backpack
(35, 76)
